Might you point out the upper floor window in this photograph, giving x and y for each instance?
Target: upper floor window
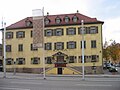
(59, 45)
(20, 34)
(71, 45)
(84, 44)
(8, 48)
(71, 31)
(9, 61)
(20, 47)
(47, 21)
(66, 19)
(93, 29)
(20, 61)
(33, 48)
(57, 20)
(75, 18)
(58, 31)
(93, 44)
(48, 32)
(35, 60)
(48, 46)
(9, 35)
(82, 30)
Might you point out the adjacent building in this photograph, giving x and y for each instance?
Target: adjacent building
(62, 45)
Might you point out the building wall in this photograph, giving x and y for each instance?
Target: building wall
(28, 54)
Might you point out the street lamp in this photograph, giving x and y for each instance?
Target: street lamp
(4, 64)
(82, 22)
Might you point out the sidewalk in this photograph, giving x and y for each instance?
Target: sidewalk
(39, 76)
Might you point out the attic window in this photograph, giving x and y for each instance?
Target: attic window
(67, 19)
(75, 18)
(57, 20)
(28, 23)
(47, 21)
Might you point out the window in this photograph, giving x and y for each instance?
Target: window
(48, 46)
(85, 57)
(93, 30)
(71, 45)
(93, 44)
(48, 60)
(20, 34)
(8, 48)
(33, 48)
(84, 30)
(9, 61)
(84, 44)
(20, 47)
(75, 18)
(58, 31)
(57, 20)
(9, 35)
(59, 45)
(67, 19)
(48, 32)
(20, 61)
(47, 21)
(71, 31)
(72, 59)
(94, 58)
(35, 60)
(29, 23)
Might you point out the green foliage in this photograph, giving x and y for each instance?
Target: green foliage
(112, 51)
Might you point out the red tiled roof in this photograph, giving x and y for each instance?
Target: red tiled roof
(87, 20)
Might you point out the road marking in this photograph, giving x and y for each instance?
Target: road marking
(26, 83)
(9, 88)
(94, 85)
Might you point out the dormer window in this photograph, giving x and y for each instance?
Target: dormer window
(75, 18)
(47, 21)
(57, 20)
(67, 19)
(28, 23)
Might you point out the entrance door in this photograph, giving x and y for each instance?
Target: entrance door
(59, 70)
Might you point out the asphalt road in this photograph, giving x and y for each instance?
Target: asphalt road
(61, 83)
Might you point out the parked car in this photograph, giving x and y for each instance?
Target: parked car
(112, 69)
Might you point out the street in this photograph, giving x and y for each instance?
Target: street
(61, 83)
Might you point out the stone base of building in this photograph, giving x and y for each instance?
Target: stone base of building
(64, 70)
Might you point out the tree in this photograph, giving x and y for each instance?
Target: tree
(112, 52)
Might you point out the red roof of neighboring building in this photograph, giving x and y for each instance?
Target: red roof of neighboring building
(87, 20)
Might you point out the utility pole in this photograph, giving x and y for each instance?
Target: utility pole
(83, 76)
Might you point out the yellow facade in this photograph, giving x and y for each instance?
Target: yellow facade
(70, 68)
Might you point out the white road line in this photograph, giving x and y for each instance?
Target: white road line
(94, 85)
(9, 88)
(26, 83)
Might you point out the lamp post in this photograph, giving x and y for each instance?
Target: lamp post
(83, 76)
(4, 64)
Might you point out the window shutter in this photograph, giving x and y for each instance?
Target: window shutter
(55, 46)
(62, 45)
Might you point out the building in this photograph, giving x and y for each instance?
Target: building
(62, 41)
(1, 58)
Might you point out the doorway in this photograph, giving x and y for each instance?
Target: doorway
(59, 70)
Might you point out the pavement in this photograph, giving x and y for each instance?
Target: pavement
(39, 76)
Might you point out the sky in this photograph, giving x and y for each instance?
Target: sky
(104, 10)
